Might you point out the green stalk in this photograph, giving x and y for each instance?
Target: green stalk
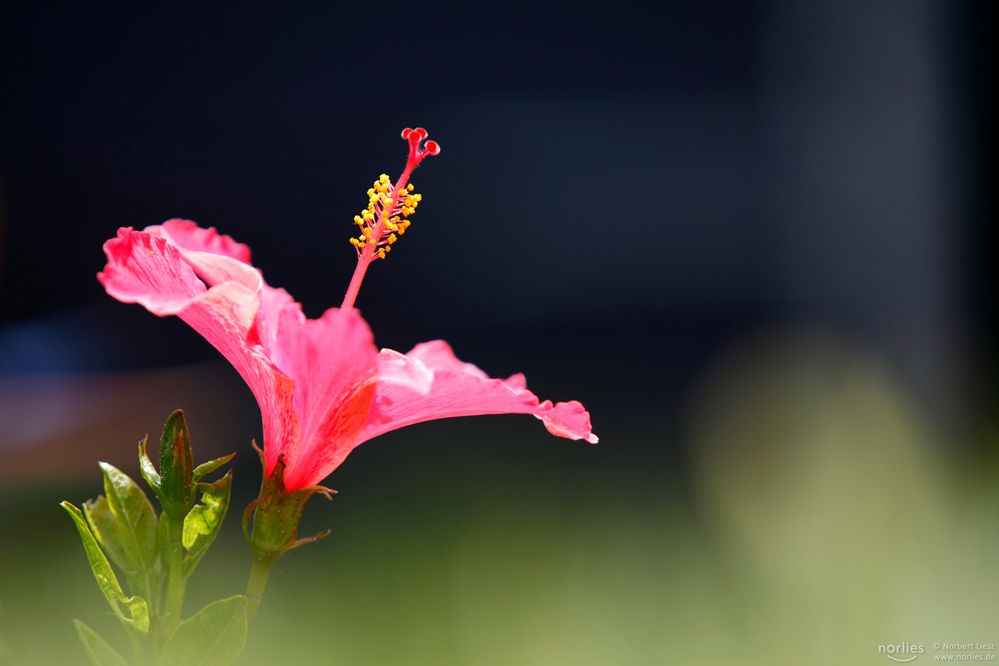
(138, 649)
(274, 515)
(257, 583)
(175, 577)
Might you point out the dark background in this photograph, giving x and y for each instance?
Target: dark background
(627, 196)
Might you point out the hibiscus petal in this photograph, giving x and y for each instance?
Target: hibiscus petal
(214, 258)
(187, 235)
(396, 368)
(462, 389)
(567, 419)
(145, 268)
(333, 362)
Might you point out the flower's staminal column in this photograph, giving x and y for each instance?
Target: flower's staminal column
(389, 207)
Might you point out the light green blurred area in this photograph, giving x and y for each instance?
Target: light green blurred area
(820, 516)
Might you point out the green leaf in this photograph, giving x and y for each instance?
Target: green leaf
(134, 518)
(163, 536)
(132, 611)
(203, 522)
(206, 468)
(214, 636)
(106, 530)
(100, 653)
(147, 468)
(177, 492)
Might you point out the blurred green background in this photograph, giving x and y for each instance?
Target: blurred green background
(819, 521)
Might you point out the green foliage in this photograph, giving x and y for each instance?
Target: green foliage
(100, 653)
(206, 468)
(132, 611)
(202, 524)
(132, 520)
(214, 636)
(150, 550)
(107, 532)
(176, 489)
(148, 469)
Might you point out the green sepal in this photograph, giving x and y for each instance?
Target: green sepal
(204, 521)
(132, 611)
(214, 636)
(177, 492)
(207, 468)
(100, 653)
(134, 519)
(275, 516)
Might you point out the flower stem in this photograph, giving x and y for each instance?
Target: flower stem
(138, 649)
(257, 583)
(175, 577)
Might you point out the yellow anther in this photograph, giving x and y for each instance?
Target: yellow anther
(379, 227)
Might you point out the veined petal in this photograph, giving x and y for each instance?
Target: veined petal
(187, 235)
(462, 389)
(145, 268)
(402, 370)
(214, 258)
(333, 361)
(225, 317)
(567, 419)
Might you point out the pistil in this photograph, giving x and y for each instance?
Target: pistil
(384, 220)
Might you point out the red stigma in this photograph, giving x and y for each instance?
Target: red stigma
(418, 147)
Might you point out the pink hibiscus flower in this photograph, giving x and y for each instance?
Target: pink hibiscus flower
(322, 385)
